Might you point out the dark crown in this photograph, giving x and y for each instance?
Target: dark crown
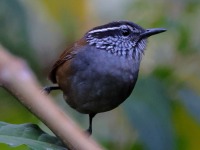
(120, 38)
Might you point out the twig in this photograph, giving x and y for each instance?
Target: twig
(18, 79)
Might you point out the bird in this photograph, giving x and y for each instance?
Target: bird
(99, 72)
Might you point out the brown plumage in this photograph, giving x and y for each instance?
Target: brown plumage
(65, 58)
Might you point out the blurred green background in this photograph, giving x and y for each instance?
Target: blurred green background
(163, 112)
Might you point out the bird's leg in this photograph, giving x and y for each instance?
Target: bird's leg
(48, 89)
(89, 130)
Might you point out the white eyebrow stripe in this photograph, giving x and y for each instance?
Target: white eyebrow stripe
(131, 28)
(104, 29)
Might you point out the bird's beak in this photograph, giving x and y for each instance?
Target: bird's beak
(149, 32)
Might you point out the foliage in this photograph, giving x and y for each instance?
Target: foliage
(163, 110)
(30, 135)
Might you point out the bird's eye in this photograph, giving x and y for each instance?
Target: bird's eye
(125, 32)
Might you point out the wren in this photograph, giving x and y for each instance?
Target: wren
(98, 72)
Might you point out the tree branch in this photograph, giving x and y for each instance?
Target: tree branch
(18, 79)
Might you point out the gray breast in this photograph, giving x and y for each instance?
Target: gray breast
(101, 81)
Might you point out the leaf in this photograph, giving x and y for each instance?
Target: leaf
(191, 101)
(14, 33)
(30, 135)
(7, 147)
(187, 129)
(149, 112)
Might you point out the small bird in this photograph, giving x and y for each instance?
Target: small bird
(99, 71)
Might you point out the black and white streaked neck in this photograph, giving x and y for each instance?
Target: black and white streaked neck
(121, 38)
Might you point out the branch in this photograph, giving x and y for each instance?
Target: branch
(18, 79)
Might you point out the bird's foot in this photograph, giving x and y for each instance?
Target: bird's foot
(48, 89)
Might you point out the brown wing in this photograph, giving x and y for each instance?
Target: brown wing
(67, 55)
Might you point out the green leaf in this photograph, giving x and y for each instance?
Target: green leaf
(191, 101)
(7, 147)
(14, 33)
(149, 112)
(30, 135)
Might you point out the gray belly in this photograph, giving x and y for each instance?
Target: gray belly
(101, 81)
